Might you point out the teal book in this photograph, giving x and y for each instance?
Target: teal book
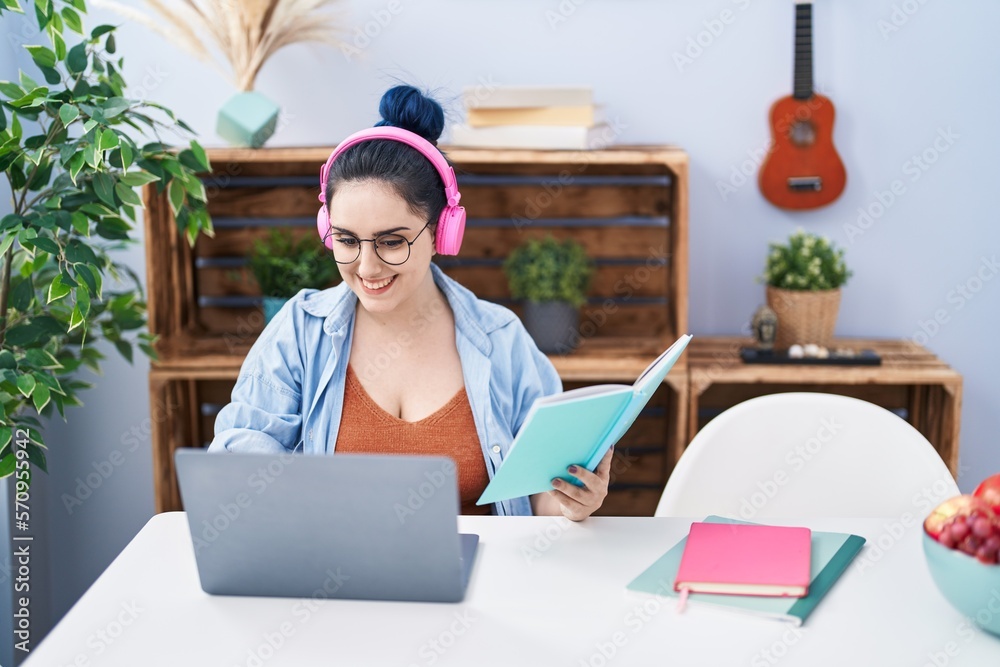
(830, 556)
(574, 427)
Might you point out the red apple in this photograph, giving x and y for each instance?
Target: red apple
(989, 491)
(959, 506)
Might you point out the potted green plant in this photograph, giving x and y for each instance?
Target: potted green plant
(803, 278)
(75, 150)
(552, 278)
(281, 266)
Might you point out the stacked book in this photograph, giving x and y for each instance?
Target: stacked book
(533, 117)
(777, 572)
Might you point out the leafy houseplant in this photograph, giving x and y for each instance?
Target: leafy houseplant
(72, 150)
(282, 267)
(803, 278)
(553, 278)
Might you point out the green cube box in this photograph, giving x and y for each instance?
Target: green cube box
(247, 119)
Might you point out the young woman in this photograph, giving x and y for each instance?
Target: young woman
(398, 358)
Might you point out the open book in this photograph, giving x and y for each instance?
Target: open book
(574, 427)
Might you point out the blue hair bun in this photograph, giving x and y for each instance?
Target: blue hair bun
(408, 108)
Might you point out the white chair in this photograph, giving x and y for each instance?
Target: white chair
(807, 455)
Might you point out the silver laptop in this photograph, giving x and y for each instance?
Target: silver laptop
(365, 527)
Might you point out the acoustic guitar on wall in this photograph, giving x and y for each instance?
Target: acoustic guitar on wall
(802, 169)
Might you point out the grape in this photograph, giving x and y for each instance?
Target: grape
(982, 527)
(970, 545)
(984, 555)
(976, 534)
(959, 530)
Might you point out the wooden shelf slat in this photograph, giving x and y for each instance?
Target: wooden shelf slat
(910, 378)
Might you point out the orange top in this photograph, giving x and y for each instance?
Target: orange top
(365, 428)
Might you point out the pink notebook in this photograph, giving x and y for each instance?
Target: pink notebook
(738, 559)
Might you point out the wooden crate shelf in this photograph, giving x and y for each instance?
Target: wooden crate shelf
(185, 404)
(911, 381)
(627, 205)
(202, 304)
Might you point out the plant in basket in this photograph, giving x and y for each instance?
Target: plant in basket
(552, 277)
(804, 277)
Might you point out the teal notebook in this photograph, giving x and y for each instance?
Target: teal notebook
(574, 427)
(831, 554)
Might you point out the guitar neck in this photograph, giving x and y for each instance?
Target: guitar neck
(803, 81)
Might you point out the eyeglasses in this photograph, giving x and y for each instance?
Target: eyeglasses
(390, 248)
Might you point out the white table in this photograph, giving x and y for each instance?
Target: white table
(543, 592)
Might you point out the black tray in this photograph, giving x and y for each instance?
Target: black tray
(859, 358)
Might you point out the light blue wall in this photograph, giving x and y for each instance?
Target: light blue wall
(894, 93)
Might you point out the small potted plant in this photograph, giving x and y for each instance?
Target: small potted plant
(282, 267)
(803, 278)
(552, 278)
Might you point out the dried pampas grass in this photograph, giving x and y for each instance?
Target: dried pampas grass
(247, 32)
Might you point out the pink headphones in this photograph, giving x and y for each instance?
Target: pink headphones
(451, 224)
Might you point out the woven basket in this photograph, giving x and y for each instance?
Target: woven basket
(804, 316)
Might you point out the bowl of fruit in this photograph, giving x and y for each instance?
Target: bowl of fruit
(962, 546)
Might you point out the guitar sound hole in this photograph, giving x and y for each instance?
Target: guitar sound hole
(802, 133)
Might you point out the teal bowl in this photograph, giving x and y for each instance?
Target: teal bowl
(971, 587)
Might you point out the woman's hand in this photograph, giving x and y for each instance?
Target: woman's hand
(576, 502)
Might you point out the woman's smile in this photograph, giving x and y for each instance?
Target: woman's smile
(377, 286)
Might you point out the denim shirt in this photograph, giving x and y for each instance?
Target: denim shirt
(290, 391)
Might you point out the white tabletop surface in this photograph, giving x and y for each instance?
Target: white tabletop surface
(544, 591)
